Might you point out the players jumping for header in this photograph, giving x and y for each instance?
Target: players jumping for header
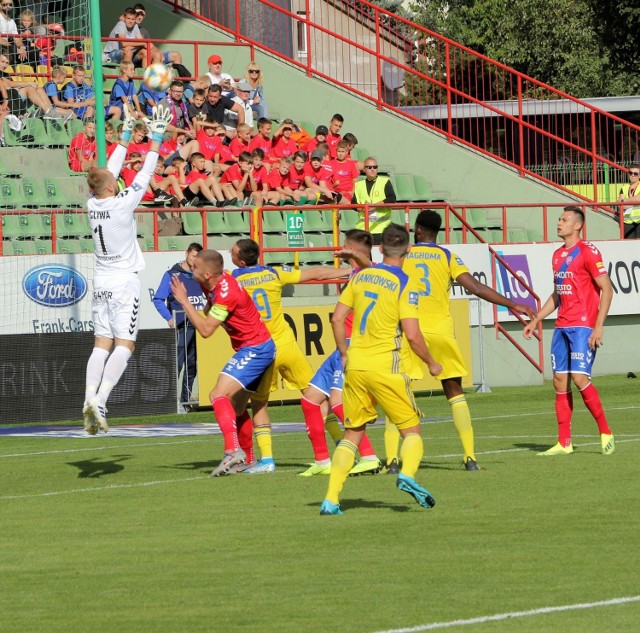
(582, 293)
(385, 305)
(116, 286)
(249, 372)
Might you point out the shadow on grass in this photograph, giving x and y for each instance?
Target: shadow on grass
(208, 465)
(93, 468)
(537, 448)
(354, 504)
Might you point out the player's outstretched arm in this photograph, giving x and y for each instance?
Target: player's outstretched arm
(470, 283)
(322, 273)
(354, 257)
(206, 326)
(549, 306)
(411, 329)
(116, 160)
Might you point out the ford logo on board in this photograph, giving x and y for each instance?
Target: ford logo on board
(54, 285)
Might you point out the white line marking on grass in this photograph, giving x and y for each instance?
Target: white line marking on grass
(514, 614)
(101, 488)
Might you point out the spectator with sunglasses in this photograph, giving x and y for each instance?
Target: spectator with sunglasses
(253, 75)
(630, 193)
(374, 189)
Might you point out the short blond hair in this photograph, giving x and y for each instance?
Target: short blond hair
(98, 178)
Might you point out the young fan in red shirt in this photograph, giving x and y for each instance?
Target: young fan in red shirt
(283, 144)
(333, 138)
(278, 183)
(262, 140)
(200, 183)
(139, 143)
(301, 193)
(82, 150)
(320, 137)
(343, 173)
(241, 142)
(316, 176)
(238, 183)
(260, 172)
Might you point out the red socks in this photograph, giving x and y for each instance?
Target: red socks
(314, 422)
(245, 435)
(592, 401)
(564, 409)
(226, 417)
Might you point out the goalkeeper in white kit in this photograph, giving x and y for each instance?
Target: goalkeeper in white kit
(118, 258)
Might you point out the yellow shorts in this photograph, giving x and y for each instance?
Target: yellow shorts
(364, 389)
(293, 366)
(444, 349)
(264, 387)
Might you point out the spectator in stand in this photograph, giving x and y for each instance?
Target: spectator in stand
(18, 92)
(374, 189)
(149, 98)
(253, 75)
(241, 142)
(297, 179)
(283, 144)
(178, 145)
(8, 27)
(630, 194)
(343, 174)
(260, 174)
(279, 181)
(223, 157)
(262, 140)
(201, 83)
(123, 93)
(320, 137)
(216, 106)
(139, 142)
(79, 96)
(26, 29)
(178, 106)
(237, 182)
(196, 108)
(82, 150)
(53, 91)
(333, 138)
(200, 183)
(215, 69)
(171, 311)
(125, 51)
(168, 57)
(242, 90)
(228, 86)
(316, 177)
(110, 138)
(173, 181)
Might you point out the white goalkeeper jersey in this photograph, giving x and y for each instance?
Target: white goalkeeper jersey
(113, 221)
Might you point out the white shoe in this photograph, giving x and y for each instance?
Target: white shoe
(14, 122)
(91, 426)
(52, 115)
(99, 412)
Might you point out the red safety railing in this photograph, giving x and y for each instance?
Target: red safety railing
(472, 100)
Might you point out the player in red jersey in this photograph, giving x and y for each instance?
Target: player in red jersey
(582, 293)
(249, 372)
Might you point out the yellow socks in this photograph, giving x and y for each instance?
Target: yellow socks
(411, 454)
(462, 420)
(263, 438)
(332, 425)
(341, 463)
(391, 440)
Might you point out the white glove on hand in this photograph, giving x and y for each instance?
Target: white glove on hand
(159, 122)
(127, 126)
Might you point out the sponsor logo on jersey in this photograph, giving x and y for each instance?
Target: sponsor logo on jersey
(54, 285)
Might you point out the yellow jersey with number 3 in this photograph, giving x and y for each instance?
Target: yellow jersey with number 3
(380, 296)
(432, 269)
(264, 285)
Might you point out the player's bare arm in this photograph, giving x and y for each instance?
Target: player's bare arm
(322, 273)
(470, 283)
(338, 325)
(411, 329)
(206, 326)
(354, 257)
(606, 296)
(550, 305)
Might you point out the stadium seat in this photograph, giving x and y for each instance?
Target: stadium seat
(237, 221)
(318, 220)
(23, 247)
(146, 243)
(32, 134)
(14, 226)
(43, 246)
(216, 223)
(273, 222)
(11, 193)
(25, 72)
(145, 224)
(517, 234)
(477, 218)
(75, 126)
(39, 225)
(277, 241)
(533, 235)
(312, 240)
(68, 191)
(422, 188)
(68, 246)
(221, 242)
(404, 188)
(178, 243)
(192, 222)
(86, 245)
(72, 225)
(399, 216)
(59, 134)
(35, 193)
(12, 162)
(348, 219)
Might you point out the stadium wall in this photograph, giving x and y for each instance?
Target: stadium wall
(455, 173)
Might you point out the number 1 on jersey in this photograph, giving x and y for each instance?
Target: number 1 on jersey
(374, 297)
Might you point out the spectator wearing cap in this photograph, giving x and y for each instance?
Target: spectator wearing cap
(316, 176)
(374, 189)
(215, 69)
(320, 137)
(243, 90)
(254, 76)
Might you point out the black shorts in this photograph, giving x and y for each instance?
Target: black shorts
(188, 194)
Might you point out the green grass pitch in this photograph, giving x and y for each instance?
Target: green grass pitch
(130, 534)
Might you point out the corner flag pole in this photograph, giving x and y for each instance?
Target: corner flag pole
(98, 83)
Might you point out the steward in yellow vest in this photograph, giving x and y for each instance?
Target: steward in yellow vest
(631, 193)
(372, 190)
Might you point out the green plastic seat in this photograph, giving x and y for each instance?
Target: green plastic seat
(23, 247)
(14, 226)
(404, 188)
(36, 193)
(277, 241)
(33, 133)
(477, 218)
(517, 234)
(43, 246)
(177, 243)
(348, 219)
(75, 126)
(144, 220)
(216, 223)
(317, 220)
(13, 161)
(192, 222)
(58, 133)
(237, 221)
(68, 192)
(316, 240)
(73, 225)
(39, 225)
(11, 193)
(68, 246)
(221, 242)
(273, 222)
(422, 189)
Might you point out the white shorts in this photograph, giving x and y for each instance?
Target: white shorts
(116, 306)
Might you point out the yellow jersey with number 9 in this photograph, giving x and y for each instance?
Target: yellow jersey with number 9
(264, 285)
(380, 296)
(432, 269)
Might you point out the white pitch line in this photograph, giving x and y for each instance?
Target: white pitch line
(514, 614)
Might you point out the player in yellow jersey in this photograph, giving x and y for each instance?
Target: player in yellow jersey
(384, 306)
(433, 268)
(264, 285)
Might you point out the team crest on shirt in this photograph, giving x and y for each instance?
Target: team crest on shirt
(569, 259)
(459, 261)
(413, 298)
